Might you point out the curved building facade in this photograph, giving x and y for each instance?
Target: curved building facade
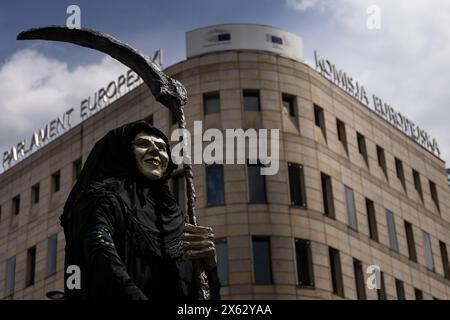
(352, 192)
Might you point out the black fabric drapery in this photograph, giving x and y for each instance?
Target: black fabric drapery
(124, 231)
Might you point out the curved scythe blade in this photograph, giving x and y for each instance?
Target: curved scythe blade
(166, 90)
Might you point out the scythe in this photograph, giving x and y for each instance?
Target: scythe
(169, 92)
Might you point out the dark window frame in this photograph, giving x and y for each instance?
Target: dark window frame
(56, 181)
(352, 219)
(400, 172)
(327, 195)
(210, 96)
(209, 167)
(15, 206)
(418, 293)
(359, 280)
(445, 261)
(400, 289)
(264, 199)
(292, 101)
(77, 166)
(392, 232)
(31, 267)
(362, 147)
(417, 183)
(341, 133)
(412, 253)
(251, 93)
(218, 242)
(267, 240)
(336, 272)
(51, 263)
(372, 220)
(382, 295)
(298, 200)
(319, 119)
(35, 193)
(381, 157)
(434, 194)
(305, 265)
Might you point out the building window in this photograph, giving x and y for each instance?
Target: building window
(391, 230)
(400, 173)
(222, 260)
(276, 40)
(372, 221)
(35, 193)
(359, 280)
(10, 276)
(76, 169)
(434, 194)
(251, 100)
(16, 205)
(262, 260)
(382, 160)
(342, 136)
(400, 288)
(351, 211)
(52, 247)
(31, 266)
(410, 241)
(149, 120)
(428, 251)
(289, 104)
(445, 262)
(382, 291)
(0, 213)
(336, 272)
(362, 147)
(179, 191)
(56, 181)
(215, 184)
(211, 102)
(417, 183)
(319, 119)
(418, 293)
(297, 185)
(327, 195)
(256, 184)
(224, 37)
(305, 273)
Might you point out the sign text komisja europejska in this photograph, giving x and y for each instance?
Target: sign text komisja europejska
(89, 106)
(355, 89)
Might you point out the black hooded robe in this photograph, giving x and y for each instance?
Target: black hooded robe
(124, 231)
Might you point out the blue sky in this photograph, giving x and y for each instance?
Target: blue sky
(406, 62)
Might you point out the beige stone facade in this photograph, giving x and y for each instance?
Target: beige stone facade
(302, 142)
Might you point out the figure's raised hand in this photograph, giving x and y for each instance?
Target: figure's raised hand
(198, 243)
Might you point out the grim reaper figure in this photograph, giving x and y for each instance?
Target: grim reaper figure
(122, 225)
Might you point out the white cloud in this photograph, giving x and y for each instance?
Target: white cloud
(406, 62)
(303, 5)
(36, 88)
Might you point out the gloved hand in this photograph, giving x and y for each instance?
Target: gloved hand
(198, 243)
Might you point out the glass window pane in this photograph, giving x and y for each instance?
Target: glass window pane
(256, 184)
(215, 182)
(251, 100)
(391, 230)
(222, 260)
(261, 261)
(211, 103)
(428, 251)
(52, 244)
(10, 276)
(350, 204)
